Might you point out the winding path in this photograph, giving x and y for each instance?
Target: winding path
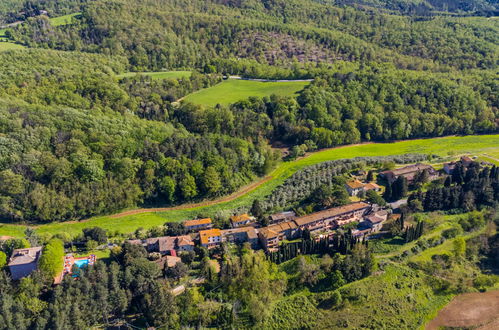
(243, 191)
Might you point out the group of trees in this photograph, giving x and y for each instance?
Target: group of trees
(321, 185)
(59, 163)
(466, 190)
(192, 33)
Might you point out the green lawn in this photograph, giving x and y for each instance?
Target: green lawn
(233, 90)
(5, 45)
(158, 75)
(439, 146)
(63, 20)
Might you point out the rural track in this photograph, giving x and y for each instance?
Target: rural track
(241, 192)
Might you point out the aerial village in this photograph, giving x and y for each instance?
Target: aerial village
(363, 220)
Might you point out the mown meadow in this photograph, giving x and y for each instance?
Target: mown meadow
(233, 90)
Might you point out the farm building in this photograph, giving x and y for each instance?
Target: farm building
(24, 261)
(210, 238)
(241, 220)
(271, 236)
(167, 244)
(409, 172)
(282, 217)
(357, 187)
(333, 217)
(199, 224)
(241, 235)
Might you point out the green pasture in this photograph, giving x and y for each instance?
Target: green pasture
(158, 75)
(233, 90)
(395, 297)
(438, 146)
(64, 20)
(6, 45)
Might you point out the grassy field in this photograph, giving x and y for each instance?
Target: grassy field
(63, 20)
(5, 45)
(233, 90)
(395, 297)
(438, 146)
(158, 75)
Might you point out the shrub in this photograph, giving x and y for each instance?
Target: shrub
(452, 232)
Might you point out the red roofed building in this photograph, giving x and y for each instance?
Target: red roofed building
(199, 224)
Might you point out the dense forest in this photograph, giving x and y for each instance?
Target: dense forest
(70, 125)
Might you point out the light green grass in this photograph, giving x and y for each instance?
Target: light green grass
(233, 90)
(127, 224)
(4, 46)
(64, 20)
(395, 298)
(158, 75)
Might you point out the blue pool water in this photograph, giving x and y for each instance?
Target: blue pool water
(81, 263)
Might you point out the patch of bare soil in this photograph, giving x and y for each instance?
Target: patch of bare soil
(469, 310)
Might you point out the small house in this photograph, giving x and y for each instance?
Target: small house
(24, 261)
(241, 220)
(210, 238)
(199, 224)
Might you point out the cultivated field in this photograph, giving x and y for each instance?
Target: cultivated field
(439, 146)
(470, 311)
(233, 90)
(158, 75)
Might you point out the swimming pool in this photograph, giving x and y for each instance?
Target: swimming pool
(81, 263)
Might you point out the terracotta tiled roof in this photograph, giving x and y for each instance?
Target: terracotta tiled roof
(355, 184)
(329, 213)
(184, 240)
(371, 185)
(275, 230)
(204, 235)
(409, 169)
(191, 223)
(240, 218)
(250, 232)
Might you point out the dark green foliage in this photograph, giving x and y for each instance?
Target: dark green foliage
(374, 198)
(96, 234)
(470, 189)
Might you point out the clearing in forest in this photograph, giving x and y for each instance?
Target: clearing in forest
(64, 20)
(233, 90)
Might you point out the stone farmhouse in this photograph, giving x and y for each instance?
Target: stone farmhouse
(24, 261)
(356, 187)
(409, 172)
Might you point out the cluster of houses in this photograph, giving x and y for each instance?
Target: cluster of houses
(283, 226)
(410, 173)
